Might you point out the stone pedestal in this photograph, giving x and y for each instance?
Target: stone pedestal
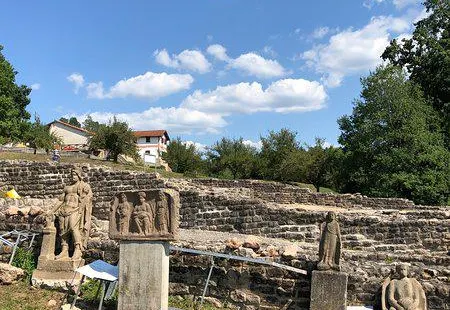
(143, 275)
(328, 290)
(51, 273)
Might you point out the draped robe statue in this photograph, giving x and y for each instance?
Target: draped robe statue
(330, 244)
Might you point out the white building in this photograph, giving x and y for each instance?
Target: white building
(151, 144)
(72, 136)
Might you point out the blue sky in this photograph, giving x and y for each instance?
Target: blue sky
(202, 69)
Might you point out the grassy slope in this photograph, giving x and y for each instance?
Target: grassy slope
(114, 166)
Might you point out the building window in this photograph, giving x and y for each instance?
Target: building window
(147, 139)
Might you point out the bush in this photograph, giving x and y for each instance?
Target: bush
(24, 259)
(89, 291)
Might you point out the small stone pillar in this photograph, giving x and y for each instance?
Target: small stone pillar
(48, 242)
(144, 222)
(143, 275)
(328, 290)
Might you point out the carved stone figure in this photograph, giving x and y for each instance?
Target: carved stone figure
(403, 293)
(162, 213)
(152, 215)
(143, 215)
(73, 216)
(123, 212)
(330, 244)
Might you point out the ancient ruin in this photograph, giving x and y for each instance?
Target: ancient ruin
(403, 293)
(330, 244)
(69, 238)
(268, 220)
(145, 215)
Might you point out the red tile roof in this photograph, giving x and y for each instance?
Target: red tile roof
(151, 133)
(71, 126)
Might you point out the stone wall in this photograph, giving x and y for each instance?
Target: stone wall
(377, 233)
(287, 194)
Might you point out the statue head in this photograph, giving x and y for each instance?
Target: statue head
(402, 270)
(142, 196)
(331, 216)
(77, 174)
(161, 195)
(123, 197)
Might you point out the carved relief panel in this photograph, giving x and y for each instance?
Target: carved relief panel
(145, 215)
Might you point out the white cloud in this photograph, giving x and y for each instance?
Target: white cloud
(192, 60)
(370, 3)
(218, 51)
(77, 80)
(174, 120)
(268, 50)
(401, 4)
(288, 95)
(320, 32)
(354, 51)
(250, 63)
(198, 146)
(149, 86)
(35, 86)
(257, 145)
(253, 64)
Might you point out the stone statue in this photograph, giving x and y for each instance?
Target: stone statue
(330, 244)
(162, 213)
(152, 215)
(143, 215)
(73, 216)
(123, 212)
(403, 293)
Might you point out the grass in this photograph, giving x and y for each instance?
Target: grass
(118, 166)
(21, 296)
(84, 161)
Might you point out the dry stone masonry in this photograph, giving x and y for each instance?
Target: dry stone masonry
(256, 219)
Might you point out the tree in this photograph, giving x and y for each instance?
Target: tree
(232, 156)
(117, 138)
(182, 157)
(276, 148)
(317, 165)
(72, 121)
(39, 136)
(13, 101)
(90, 125)
(391, 145)
(426, 57)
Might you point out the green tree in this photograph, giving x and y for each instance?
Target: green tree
(74, 121)
(115, 137)
(182, 157)
(426, 57)
(91, 125)
(63, 119)
(276, 148)
(232, 157)
(13, 101)
(391, 146)
(39, 136)
(317, 165)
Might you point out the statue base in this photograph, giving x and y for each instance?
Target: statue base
(328, 290)
(56, 274)
(55, 280)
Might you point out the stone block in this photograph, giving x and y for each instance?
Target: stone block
(328, 290)
(143, 275)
